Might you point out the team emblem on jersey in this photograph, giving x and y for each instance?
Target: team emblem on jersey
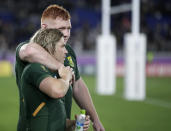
(71, 63)
(44, 68)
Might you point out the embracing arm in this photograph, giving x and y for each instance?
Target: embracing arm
(33, 52)
(54, 88)
(83, 99)
(57, 88)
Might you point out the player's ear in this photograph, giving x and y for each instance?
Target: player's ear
(44, 26)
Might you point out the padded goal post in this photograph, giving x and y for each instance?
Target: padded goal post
(135, 60)
(106, 62)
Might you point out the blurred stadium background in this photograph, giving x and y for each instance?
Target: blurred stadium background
(20, 19)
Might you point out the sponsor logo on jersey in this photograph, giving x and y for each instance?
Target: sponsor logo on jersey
(43, 67)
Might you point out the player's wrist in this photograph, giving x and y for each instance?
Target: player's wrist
(66, 81)
(95, 119)
(65, 77)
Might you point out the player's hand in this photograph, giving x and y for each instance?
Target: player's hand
(70, 125)
(65, 73)
(86, 123)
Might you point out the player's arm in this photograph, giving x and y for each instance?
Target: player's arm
(83, 99)
(33, 52)
(70, 125)
(57, 88)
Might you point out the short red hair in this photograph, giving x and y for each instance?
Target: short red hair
(54, 11)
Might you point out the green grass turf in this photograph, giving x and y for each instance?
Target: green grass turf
(116, 113)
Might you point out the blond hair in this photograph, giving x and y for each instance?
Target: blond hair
(47, 38)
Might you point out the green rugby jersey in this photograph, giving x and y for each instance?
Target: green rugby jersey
(72, 62)
(42, 112)
(20, 65)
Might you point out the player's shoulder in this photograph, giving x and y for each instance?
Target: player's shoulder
(18, 49)
(35, 66)
(21, 44)
(70, 50)
(68, 47)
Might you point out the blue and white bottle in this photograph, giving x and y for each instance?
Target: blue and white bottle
(80, 121)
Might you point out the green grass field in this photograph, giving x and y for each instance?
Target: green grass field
(116, 113)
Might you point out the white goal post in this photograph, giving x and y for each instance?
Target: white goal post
(106, 55)
(135, 54)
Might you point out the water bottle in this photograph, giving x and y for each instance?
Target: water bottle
(80, 121)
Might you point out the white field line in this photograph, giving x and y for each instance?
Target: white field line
(152, 101)
(158, 103)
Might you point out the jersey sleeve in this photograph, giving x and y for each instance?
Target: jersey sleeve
(18, 50)
(34, 73)
(77, 74)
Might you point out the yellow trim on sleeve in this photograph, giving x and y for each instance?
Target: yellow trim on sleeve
(38, 108)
